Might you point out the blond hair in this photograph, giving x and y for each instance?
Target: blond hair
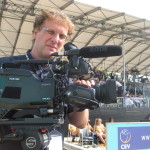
(98, 119)
(54, 15)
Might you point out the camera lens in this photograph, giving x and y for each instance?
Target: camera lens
(106, 92)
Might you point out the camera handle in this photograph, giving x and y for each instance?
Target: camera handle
(81, 96)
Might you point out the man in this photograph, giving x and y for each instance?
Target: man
(51, 31)
(119, 89)
(128, 101)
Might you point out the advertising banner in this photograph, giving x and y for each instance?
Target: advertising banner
(128, 136)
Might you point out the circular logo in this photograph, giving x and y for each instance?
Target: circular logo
(125, 136)
(31, 142)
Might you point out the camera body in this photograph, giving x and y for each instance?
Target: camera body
(29, 103)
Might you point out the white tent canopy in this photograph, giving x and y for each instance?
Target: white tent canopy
(94, 26)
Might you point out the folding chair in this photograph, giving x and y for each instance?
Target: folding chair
(85, 137)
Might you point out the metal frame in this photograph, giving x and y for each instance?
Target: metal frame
(99, 26)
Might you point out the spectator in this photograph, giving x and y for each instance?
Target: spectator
(111, 119)
(99, 129)
(89, 128)
(119, 89)
(74, 131)
(129, 102)
(148, 117)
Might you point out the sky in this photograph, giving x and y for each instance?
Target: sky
(137, 8)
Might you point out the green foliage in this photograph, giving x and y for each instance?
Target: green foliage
(134, 71)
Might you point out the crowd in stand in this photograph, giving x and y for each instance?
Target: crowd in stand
(97, 131)
(134, 100)
(132, 97)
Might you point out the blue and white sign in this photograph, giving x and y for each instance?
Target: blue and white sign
(128, 136)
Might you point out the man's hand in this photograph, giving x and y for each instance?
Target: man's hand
(88, 83)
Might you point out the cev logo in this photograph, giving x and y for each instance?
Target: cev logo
(125, 136)
(30, 142)
(125, 146)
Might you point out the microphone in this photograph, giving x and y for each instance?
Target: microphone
(92, 51)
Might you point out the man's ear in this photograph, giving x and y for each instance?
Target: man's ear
(35, 31)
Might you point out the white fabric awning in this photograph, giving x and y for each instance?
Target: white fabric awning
(94, 26)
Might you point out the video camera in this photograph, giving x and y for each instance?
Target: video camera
(29, 104)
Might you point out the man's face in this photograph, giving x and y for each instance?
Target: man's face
(49, 39)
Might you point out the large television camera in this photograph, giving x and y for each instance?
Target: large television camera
(29, 104)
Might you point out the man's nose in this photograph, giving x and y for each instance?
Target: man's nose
(55, 37)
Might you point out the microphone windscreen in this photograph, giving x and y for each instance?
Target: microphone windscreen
(100, 51)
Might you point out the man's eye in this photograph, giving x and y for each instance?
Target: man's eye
(51, 32)
(62, 36)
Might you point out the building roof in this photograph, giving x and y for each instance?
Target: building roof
(94, 26)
